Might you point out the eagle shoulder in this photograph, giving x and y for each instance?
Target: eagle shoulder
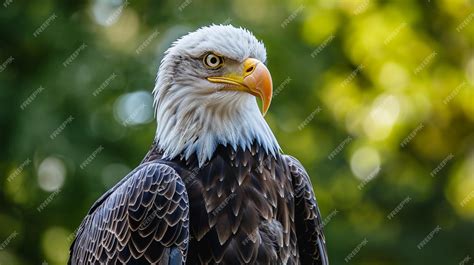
(143, 219)
(309, 228)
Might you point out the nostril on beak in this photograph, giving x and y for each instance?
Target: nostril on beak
(250, 69)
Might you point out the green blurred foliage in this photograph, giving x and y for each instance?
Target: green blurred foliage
(374, 97)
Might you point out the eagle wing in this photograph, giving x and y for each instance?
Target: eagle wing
(144, 219)
(309, 228)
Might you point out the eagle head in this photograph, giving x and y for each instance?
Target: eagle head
(206, 90)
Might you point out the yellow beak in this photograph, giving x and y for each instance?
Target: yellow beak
(254, 79)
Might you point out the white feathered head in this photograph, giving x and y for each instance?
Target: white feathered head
(206, 90)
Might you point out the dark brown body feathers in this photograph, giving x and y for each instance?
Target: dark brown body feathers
(245, 207)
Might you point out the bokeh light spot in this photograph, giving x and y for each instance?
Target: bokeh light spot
(364, 162)
(382, 116)
(107, 12)
(134, 108)
(55, 247)
(51, 174)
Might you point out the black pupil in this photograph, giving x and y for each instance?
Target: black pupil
(213, 60)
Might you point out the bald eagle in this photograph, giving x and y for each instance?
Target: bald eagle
(214, 188)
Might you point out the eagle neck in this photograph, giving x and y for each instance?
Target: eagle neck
(197, 127)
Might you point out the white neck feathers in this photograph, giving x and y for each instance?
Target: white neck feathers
(199, 123)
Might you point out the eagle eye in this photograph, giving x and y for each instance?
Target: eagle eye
(213, 61)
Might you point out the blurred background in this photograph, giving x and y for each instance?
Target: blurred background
(376, 98)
